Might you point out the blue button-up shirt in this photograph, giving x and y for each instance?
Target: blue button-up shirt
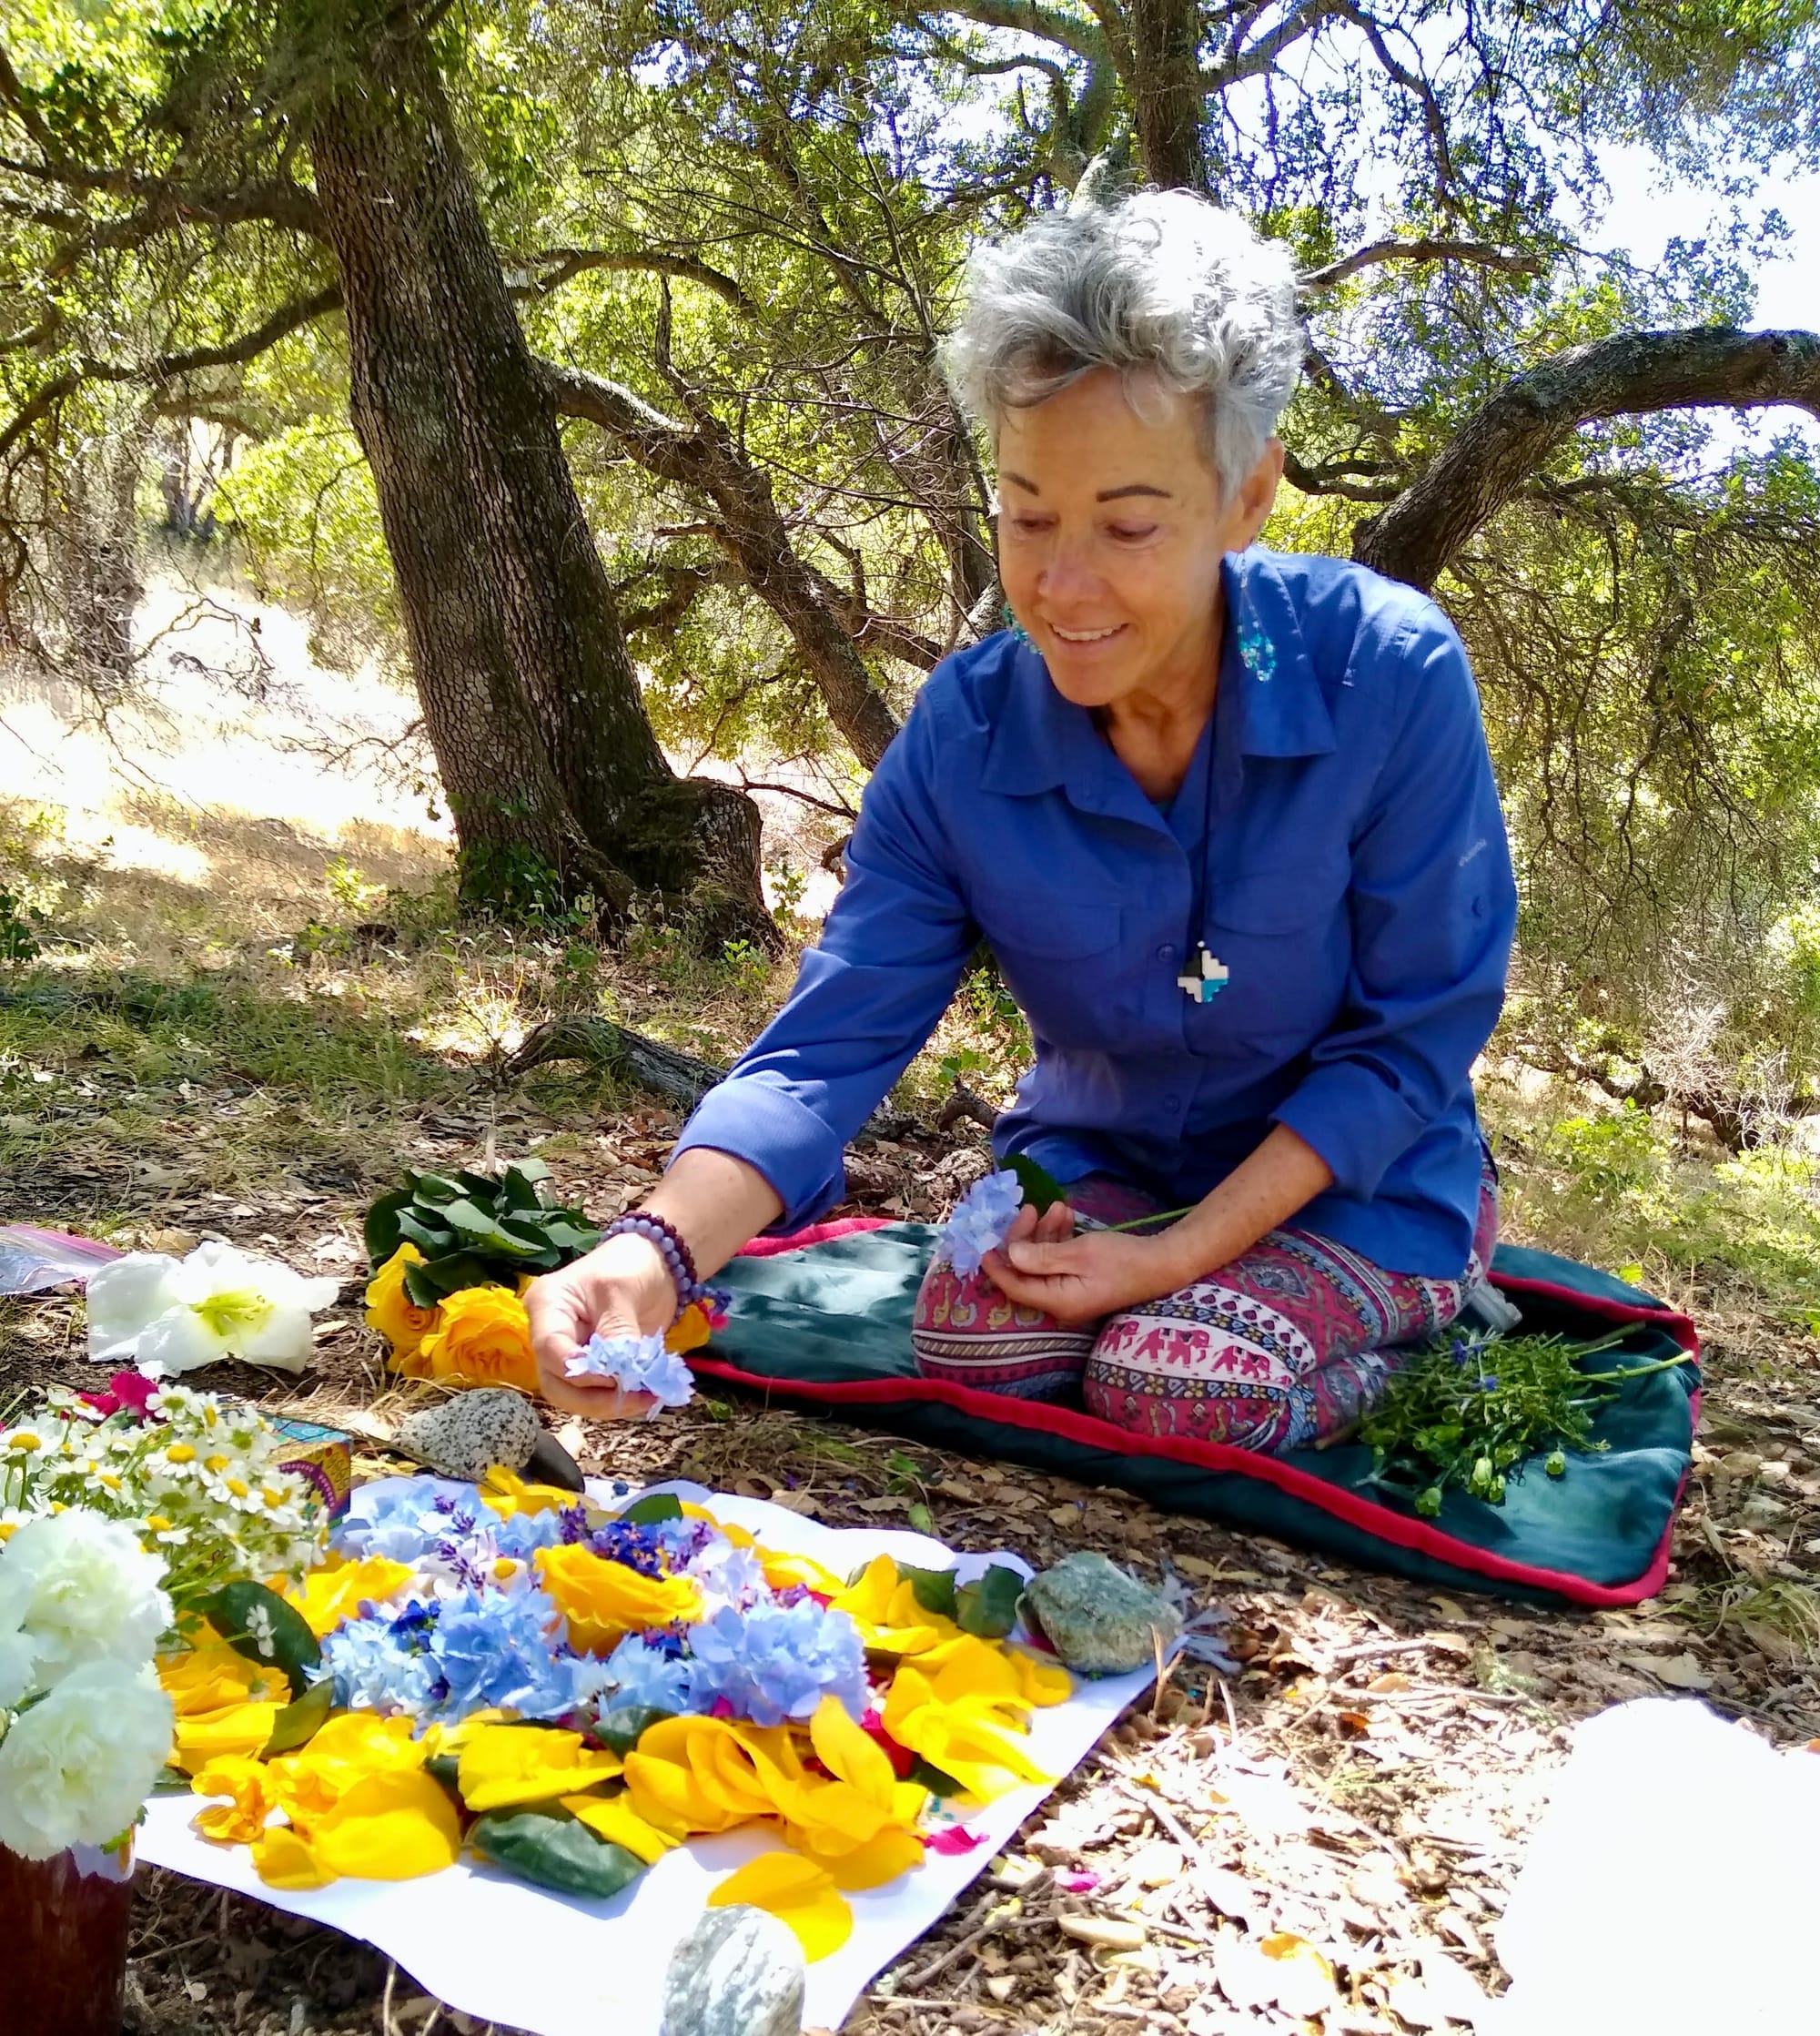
(1339, 825)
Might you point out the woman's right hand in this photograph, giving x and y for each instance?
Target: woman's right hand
(621, 1287)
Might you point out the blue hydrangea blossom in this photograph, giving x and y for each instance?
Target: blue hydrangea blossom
(981, 1219)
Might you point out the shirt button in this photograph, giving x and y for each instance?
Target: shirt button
(1172, 1100)
(1166, 952)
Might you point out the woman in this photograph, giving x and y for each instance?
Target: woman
(1228, 821)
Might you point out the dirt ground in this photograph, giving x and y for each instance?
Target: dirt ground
(1361, 1788)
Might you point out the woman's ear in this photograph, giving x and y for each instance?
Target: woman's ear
(1256, 498)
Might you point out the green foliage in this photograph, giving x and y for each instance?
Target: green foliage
(475, 1229)
(1475, 1412)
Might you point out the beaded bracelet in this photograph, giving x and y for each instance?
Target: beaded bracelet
(678, 1260)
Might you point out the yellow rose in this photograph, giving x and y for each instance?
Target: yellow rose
(603, 1601)
(392, 1312)
(482, 1336)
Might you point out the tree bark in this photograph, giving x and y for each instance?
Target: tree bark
(529, 693)
(1168, 96)
(1494, 454)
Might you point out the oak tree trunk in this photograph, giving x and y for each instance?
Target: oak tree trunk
(529, 693)
(1166, 95)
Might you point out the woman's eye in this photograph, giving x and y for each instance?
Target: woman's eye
(1029, 526)
(1133, 533)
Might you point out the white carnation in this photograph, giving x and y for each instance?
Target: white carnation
(77, 1588)
(75, 1769)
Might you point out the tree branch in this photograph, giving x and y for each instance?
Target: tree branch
(1491, 457)
(171, 367)
(571, 262)
(707, 459)
(1479, 254)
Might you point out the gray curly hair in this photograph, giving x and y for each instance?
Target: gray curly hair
(1163, 284)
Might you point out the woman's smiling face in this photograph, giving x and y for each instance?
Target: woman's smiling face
(1111, 528)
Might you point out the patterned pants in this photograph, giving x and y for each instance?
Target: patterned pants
(1288, 1345)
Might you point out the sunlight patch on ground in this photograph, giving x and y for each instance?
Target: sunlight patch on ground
(244, 750)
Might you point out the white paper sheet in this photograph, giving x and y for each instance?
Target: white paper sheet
(557, 1967)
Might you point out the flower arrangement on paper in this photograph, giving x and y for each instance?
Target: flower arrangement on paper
(163, 1314)
(84, 1727)
(568, 1695)
(451, 1258)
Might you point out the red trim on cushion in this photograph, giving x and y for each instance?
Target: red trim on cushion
(816, 1233)
(1402, 1530)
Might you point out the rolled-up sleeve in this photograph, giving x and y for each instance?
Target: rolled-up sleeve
(865, 1000)
(1433, 911)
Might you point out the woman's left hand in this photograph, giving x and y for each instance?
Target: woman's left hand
(1086, 1277)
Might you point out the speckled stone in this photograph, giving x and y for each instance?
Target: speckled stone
(739, 1973)
(468, 1435)
(1098, 1619)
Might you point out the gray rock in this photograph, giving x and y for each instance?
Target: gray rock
(1100, 1621)
(466, 1436)
(739, 1973)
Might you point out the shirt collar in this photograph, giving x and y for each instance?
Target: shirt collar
(1040, 741)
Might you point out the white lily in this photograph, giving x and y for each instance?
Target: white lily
(166, 1314)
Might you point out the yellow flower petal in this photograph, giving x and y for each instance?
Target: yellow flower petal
(796, 1891)
(327, 1597)
(236, 1728)
(210, 1675)
(894, 1852)
(613, 1817)
(241, 1819)
(508, 1765)
(282, 1859)
(506, 1491)
(388, 1827)
(849, 1753)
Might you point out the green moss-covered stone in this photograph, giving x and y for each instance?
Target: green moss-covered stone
(1098, 1619)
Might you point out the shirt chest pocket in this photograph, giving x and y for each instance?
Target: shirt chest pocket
(1282, 934)
(1058, 952)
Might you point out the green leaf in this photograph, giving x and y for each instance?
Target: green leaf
(450, 1274)
(478, 1226)
(446, 1767)
(935, 1588)
(437, 1188)
(434, 1240)
(261, 1625)
(565, 1856)
(920, 1518)
(654, 1506)
(621, 1728)
(381, 1228)
(988, 1606)
(530, 1169)
(518, 1191)
(1041, 1189)
(302, 1718)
